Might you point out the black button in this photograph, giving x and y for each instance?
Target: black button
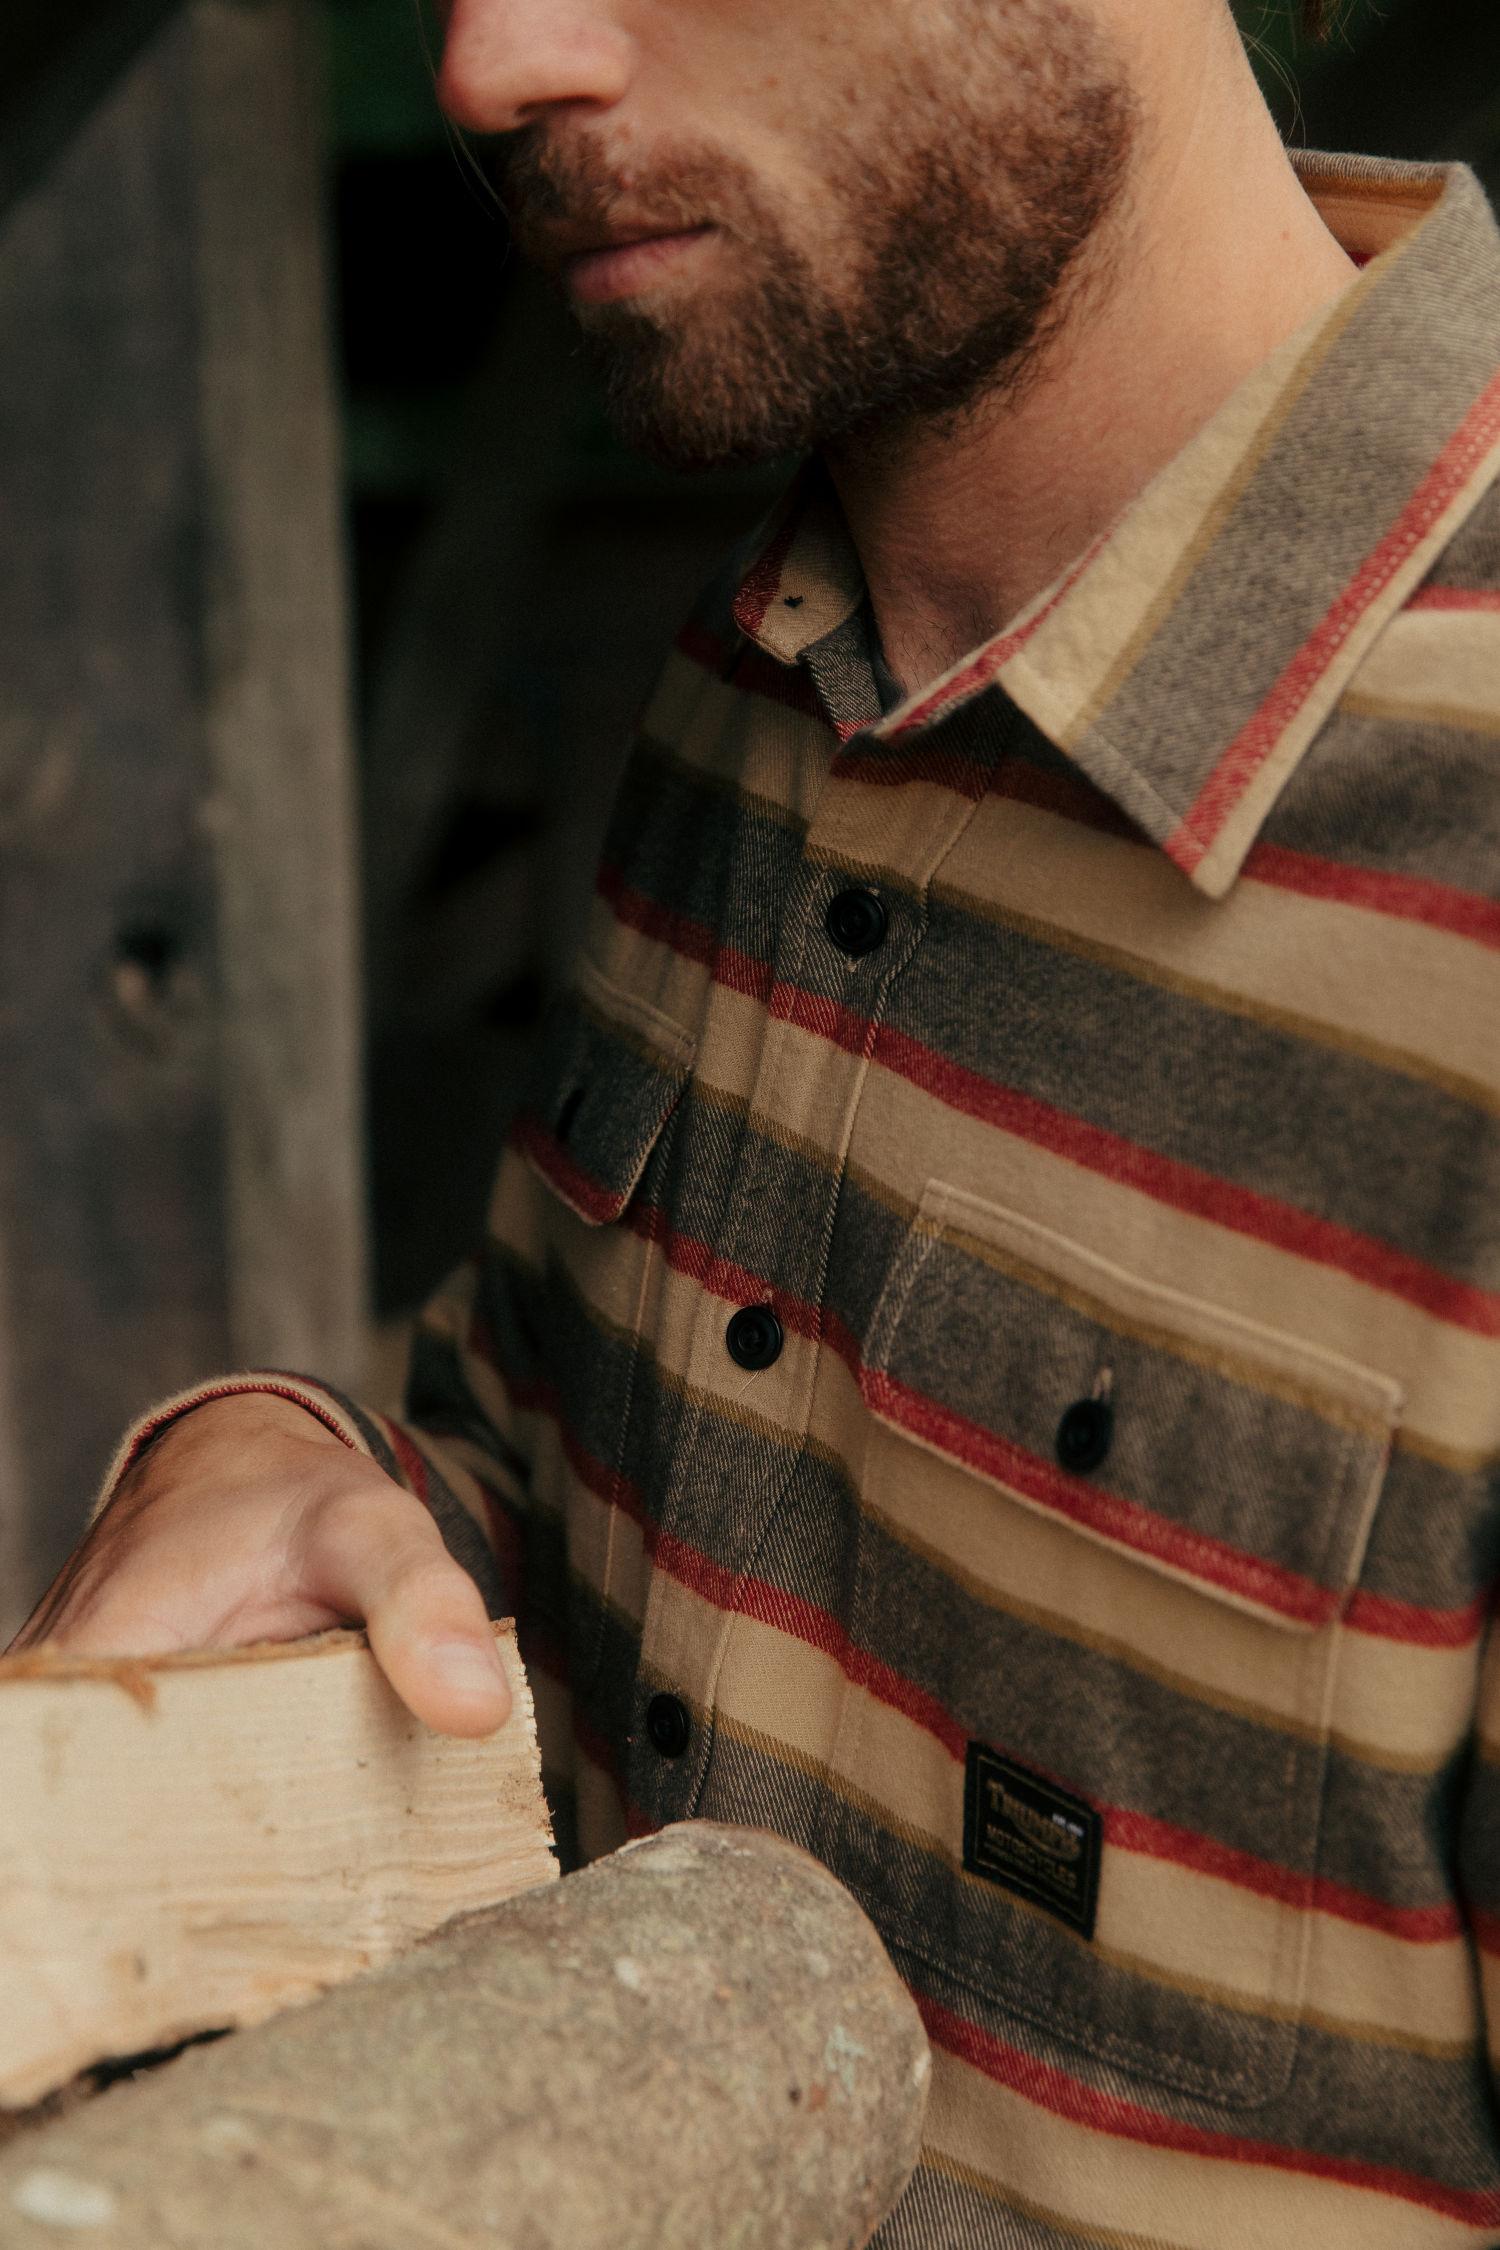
(754, 1337)
(856, 922)
(1084, 1433)
(668, 1725)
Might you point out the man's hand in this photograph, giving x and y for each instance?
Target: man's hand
(248, 1521)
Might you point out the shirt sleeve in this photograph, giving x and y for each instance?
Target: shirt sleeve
(462, 1445)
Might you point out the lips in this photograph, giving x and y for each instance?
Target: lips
(605, 272)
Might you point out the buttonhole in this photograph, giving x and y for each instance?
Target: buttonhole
(567, 1116)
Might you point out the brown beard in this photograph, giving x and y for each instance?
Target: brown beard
(963, 216)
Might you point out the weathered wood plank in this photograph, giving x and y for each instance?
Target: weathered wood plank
(111, 1210)
(180, 1133)
(196, 1841)
(277, 696)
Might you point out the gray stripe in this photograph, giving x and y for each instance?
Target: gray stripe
(1333, 484)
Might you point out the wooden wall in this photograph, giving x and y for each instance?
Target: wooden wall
(180, 1177)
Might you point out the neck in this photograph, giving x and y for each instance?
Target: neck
(1213, 257)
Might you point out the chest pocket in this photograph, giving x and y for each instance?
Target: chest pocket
(1110, 1596)
(610, 1073)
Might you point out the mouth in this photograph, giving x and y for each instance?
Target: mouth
(604, 272)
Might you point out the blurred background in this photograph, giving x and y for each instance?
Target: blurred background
(326, 601)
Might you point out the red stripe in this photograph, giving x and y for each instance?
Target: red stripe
(1069, 795)
(937, 767)
(1164, 1179)
(1184, 1847)
(751, 670)
(762, 581)
(573, 1184)
(700, 646)
(1064, 2096)
(1405, 898)
(693, 940)
(1245, 756)
(991, 660)
(1388, 1620)
(1270, 1585)
(802, 1620)
(1455, 598)
(1183, 1187)
(1374, 1614)
(1486, 1928)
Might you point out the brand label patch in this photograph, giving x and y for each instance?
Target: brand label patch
(1031, 1837)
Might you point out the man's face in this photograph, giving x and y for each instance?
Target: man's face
(784, 225)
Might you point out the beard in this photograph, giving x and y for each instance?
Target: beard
(951, 218)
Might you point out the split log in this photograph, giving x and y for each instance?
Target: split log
(697, 2044)
(192, 1842)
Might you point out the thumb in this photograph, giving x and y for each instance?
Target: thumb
(380, 1557)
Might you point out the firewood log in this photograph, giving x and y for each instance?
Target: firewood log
(696, 2044)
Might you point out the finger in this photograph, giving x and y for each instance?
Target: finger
(380, 1557)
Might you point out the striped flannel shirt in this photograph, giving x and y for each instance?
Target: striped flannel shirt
(1097, 1577)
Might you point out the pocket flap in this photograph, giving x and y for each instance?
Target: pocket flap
(1240, 1459)
(608, 1075)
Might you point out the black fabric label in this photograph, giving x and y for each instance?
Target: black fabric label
(1024, 1833)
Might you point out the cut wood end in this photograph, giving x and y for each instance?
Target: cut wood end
(273, 1827)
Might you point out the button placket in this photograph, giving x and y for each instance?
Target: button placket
(910, 842)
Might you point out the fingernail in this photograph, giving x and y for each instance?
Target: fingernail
(465, 1669)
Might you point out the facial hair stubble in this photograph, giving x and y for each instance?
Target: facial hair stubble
(960, 201)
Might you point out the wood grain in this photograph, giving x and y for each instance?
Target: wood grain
(196, 1841)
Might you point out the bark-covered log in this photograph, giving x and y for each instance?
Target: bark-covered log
(698, 2044)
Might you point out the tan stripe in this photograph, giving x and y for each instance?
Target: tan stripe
(905, 1137)
(1090, 2233)
(768, 747)
(823, 567)
(1402, 1708)
(726, 785)
(1434, 667)
(1399, 1707)
(897, 833)
(1407, 710)
(1187, 1931)
(1236, 1366)
(643, 1031)
(469, 1469)
(1345, 970)
(1315, 1031)
(1192, 2202)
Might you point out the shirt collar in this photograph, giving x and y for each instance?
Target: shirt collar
(1187, 662)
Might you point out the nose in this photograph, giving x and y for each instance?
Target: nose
(506, 62)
